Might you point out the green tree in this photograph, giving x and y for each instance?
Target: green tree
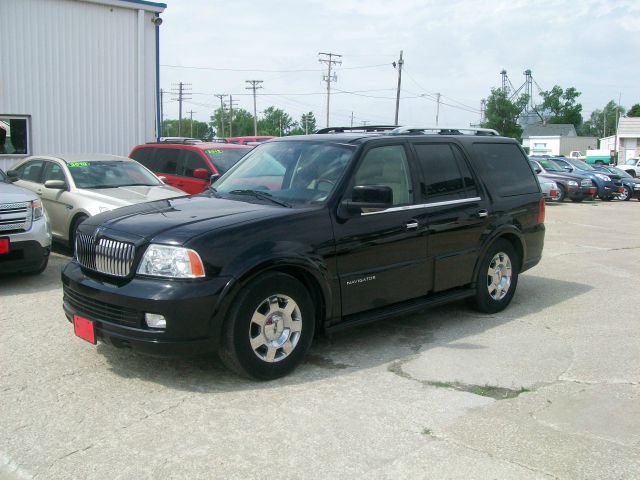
(559, 106)
(200, 129)
(275, 122)
(502, 113)
(634, 111)
(603, 122)
(241, 126)
(306, 125)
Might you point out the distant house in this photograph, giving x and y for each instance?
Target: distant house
(554, 139)
(628, 137)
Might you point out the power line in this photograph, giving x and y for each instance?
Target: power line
(254, 70)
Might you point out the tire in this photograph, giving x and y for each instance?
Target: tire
(41, 268)
(263, 325)
(626, 195)
(562, 194)
(489, 297)
(578, 200)
(599, 162)
(72, 231)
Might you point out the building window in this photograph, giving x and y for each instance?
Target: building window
(14, 135)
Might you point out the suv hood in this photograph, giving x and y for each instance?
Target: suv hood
(177, 220)
(10, 193)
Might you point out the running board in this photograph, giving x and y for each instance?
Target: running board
(403, 308)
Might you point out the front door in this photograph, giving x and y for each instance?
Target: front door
(56, 201)
(381, 253)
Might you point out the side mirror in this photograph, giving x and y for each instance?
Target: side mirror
(369, 196)
(201, 173)
(163, 179)
(568, 169)
(213, 178)
(12, 175)
(537, 170)
(55, 184)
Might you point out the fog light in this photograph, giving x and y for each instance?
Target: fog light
(155, 321)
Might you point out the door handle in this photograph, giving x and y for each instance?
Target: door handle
(411, 225)
(39, 192)
(482, 213)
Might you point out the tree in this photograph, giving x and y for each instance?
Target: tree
(275, 122)
(200, 129)
(634, 111)
(602, 123)
(560, 106)
(242, 124)
(306, 125)
(502, 113)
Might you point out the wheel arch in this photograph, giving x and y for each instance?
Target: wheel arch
(74, 218)
(510, 234)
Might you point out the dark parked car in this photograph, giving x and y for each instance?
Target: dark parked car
(308, 234)
(630, 184)
(609, 186)
(188, 164)
(574, 187)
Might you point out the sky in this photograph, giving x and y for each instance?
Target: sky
(455, 48)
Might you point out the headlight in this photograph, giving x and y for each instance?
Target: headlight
(606, 178)
(172, 262)
(572, 183)
(36, 207)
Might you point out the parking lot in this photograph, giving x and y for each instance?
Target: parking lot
(548, 388)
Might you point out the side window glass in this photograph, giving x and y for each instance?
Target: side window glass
(441, 177)
(167, 160)
(387, 166)
(193, 161)
(53, 171)
(470, 187)
(145, 157)
(31, 171)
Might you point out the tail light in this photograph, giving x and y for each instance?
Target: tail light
(541, 211)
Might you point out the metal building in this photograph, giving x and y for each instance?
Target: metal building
(77, 76)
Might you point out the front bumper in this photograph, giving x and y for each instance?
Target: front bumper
(27, 249)
(117, 311)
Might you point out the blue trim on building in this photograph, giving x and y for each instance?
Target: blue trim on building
(158, 106)
(146, 2)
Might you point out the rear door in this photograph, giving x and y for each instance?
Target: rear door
(381, 253)
(167, 162)
(457, 213)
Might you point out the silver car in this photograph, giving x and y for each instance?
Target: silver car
(74, 187)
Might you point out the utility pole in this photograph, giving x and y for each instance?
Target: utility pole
(328, 60)
(221, 97)
(615, 145)
(231, 115)
(182, 91)
(255, 85)
(351, 119)
(191, 112)
(399, 64)
(364, 123)
(437, 108)
(483, 110)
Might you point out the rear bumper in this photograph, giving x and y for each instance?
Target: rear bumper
(118, 311)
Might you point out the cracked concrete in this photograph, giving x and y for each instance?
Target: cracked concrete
(396, 399)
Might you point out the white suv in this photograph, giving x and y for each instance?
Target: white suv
(25, 236)
(631, 166)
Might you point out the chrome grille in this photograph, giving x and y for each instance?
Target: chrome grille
(15, 217)
(106, 256)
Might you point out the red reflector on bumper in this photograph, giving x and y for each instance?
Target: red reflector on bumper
(83, 328)
(4, 245)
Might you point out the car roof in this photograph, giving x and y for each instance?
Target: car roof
(197, 145)
(365, 137)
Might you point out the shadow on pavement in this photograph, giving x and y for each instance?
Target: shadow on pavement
(354, 349)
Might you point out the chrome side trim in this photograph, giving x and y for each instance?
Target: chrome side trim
(425, 205)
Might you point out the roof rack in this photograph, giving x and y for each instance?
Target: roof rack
(179, 140)
(443, 131)
(360, 129)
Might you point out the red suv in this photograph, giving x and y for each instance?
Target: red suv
(188, 165)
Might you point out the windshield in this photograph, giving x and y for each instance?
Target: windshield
(3, 177)
(618, 171)
(550, 165)
(631, 161)
(224, 159)
(293, 171)
(110, 174)
(582, 166)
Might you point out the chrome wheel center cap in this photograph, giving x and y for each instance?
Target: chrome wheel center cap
(274, 327)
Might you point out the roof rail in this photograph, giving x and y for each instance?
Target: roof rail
(443, 131)
(178, 140)
(360, 129)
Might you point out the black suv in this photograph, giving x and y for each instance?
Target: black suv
(308, 234)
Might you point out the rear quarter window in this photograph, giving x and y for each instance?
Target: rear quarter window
(505, 169)
(146, 157)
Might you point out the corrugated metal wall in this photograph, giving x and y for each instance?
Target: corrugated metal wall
(73, 67)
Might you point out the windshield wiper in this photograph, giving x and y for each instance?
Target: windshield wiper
(261, 195)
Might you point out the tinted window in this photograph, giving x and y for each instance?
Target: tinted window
(53, 171)
(31, 171)
(223, 160)
(469, 182)
(146, 157)
(166, 160)
(505, 169)
(387, 166)
(192, 161)
(441, 176)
